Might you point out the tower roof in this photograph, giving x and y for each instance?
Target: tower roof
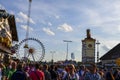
(88, 33)
(88, 36)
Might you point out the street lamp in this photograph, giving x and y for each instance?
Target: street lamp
(67, 41)
(98, 43)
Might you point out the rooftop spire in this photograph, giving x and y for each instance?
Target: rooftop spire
(88, 33)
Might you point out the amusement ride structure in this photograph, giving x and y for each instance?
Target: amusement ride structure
(30, 48)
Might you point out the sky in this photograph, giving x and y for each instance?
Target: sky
(52, 21)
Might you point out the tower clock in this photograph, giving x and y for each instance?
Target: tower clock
(88, 48)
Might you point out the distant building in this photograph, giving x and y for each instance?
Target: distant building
(88, 48)
(8, 32)
(109, 59)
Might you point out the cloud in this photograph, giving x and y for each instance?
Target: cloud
(43, 22)
(99, 17)
(106, 48)
(24, 18)
(65, 27)
(25, 27)
(108, 43)
(12, 12)
(19, 20)
(57, 17)
(111, 28)
(49, 23)
(118, 27)
(92, 16)
(48, 31)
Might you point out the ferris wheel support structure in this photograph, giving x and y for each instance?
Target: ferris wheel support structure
(27, 32)
(28, 21)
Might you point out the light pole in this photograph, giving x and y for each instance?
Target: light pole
(67, 41)
(52, 55)
(98, 43)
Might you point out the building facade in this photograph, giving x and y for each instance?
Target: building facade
(8, 32)
(88, 48)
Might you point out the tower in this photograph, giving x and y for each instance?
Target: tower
(88, 48)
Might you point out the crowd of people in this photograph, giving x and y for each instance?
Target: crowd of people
(36, 71)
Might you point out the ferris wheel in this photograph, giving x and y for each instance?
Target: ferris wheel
(33, 51)
(30, 48)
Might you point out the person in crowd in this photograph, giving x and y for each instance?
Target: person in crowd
(81, 72)
(46, 72)
(53, 72)
(19, 74)
(72, 75)
(27, 70)
(5, 70)
(57, 72)
(2, 66)
(37, 74)
(116, 74)
(0, 71)
(32, 67)
(64, 73)
(92, 74)
(109, 76)
(102, 75)
(12, 70)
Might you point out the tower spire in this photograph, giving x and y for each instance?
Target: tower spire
(88, 33)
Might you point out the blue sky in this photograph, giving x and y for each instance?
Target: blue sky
(53, 21)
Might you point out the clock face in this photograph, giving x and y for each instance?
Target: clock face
(90, 45)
